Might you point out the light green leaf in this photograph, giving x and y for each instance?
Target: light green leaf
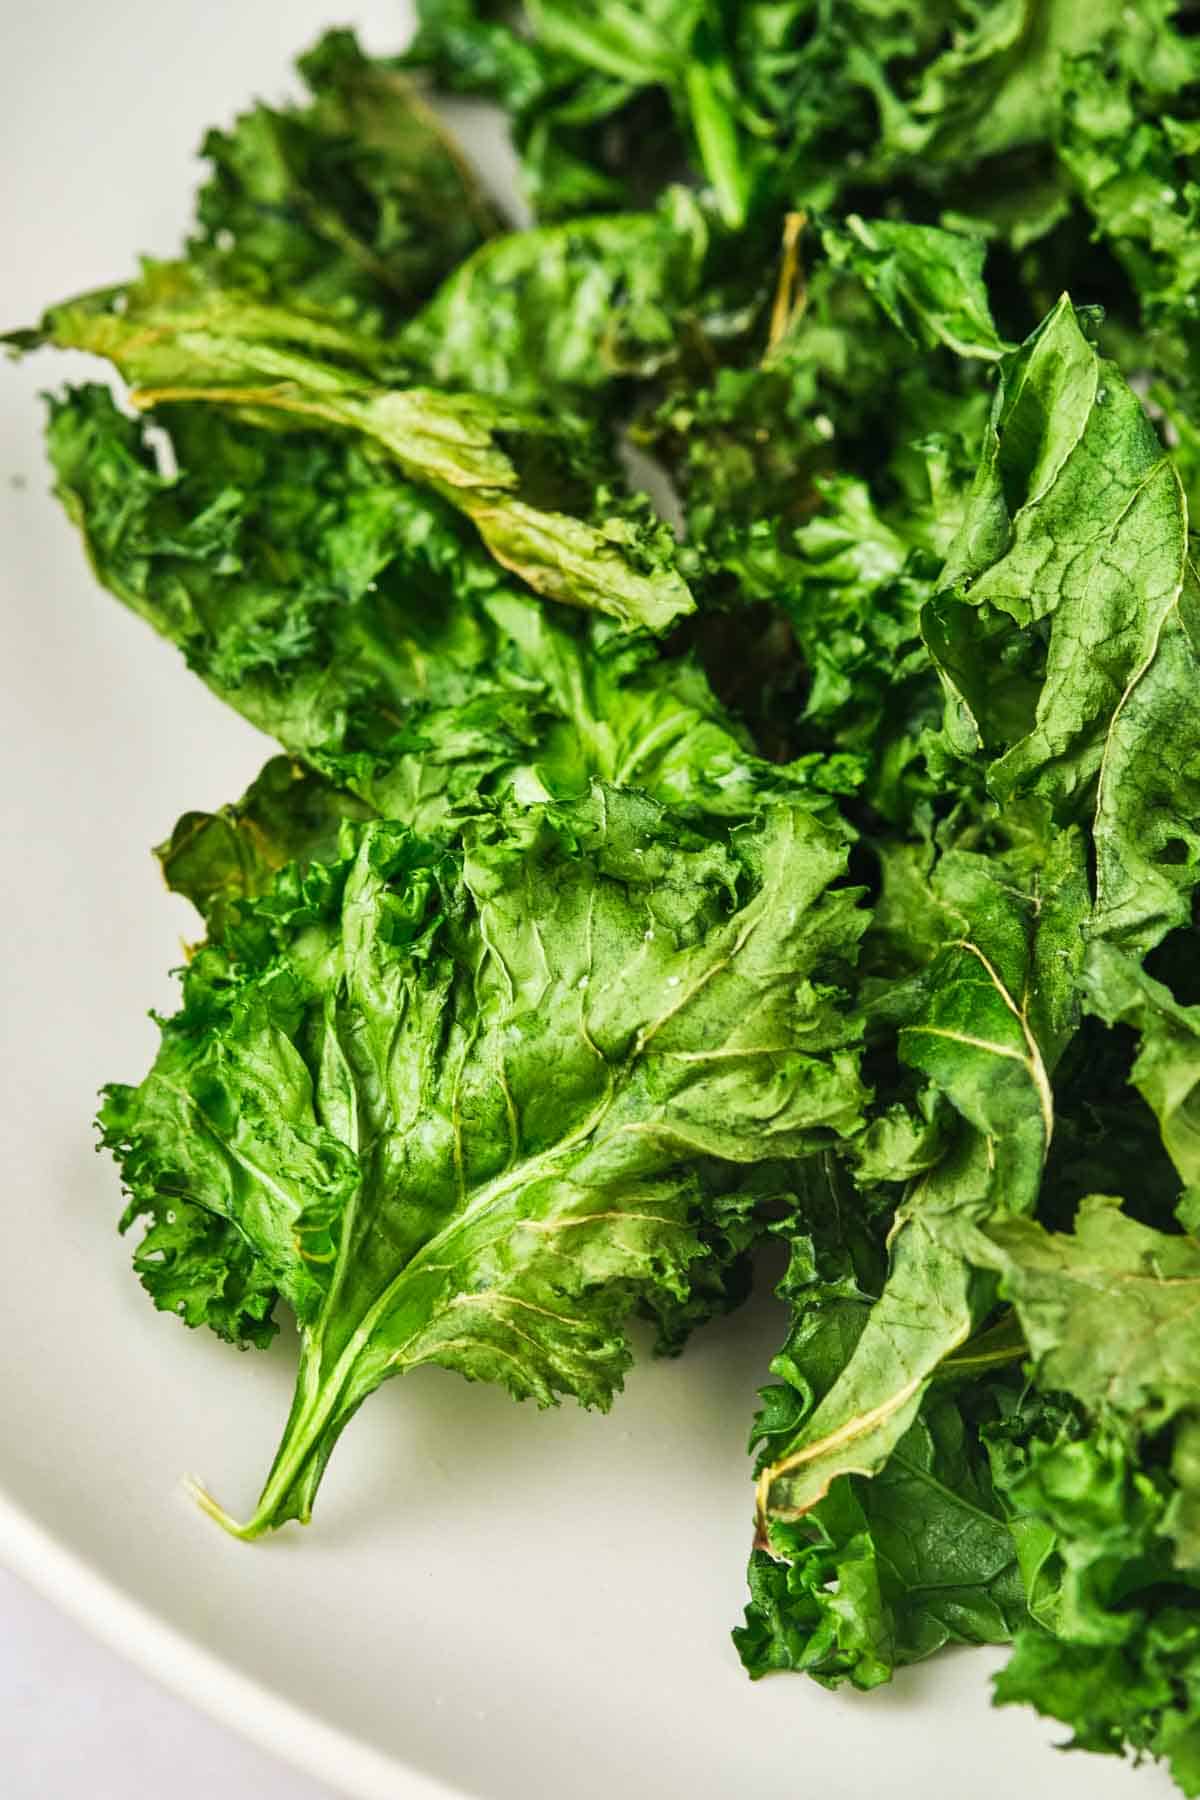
(496, 1068)
(928, 281)
(178, 341)
(568, 308)
(1111, 1312)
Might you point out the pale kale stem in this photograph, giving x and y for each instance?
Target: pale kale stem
(301, 1438)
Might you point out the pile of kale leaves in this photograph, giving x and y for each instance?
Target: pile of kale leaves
(815, 861)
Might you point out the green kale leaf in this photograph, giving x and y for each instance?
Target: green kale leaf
(1166, 1069)
(987, 1021)
(570, 309)
(881, 1572)
(928, 281)
(452, 1097)
(357, 203)
(1065, 632)
(531, 488)
(1114, 1509)
(354, 617)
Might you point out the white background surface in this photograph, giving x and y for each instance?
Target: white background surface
(516, 1604)
(78, 1723)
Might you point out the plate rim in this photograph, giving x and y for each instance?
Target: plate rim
(299, 1738)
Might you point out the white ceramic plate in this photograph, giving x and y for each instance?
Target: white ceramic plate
(492, 1602)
